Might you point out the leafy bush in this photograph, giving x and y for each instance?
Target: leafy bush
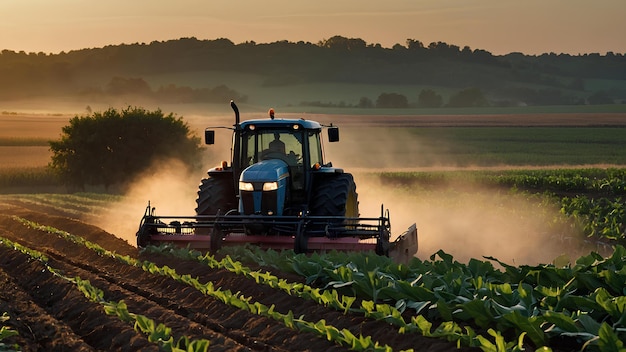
(114, 146)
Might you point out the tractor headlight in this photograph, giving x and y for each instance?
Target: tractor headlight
(270, 186)
(246, 186)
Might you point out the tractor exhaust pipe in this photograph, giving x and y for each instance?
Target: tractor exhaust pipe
(236, 163)
(236, 110)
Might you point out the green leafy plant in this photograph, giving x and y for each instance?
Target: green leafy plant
(5, 332)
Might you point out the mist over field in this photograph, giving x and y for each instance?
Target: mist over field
(167, 186)
(464, 220)
(472, 223)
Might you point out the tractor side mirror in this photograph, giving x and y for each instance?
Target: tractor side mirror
(333, 134)
(209, 137)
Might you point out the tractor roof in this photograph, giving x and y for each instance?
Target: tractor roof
(282, 123)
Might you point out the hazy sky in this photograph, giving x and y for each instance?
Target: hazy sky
(498, 26)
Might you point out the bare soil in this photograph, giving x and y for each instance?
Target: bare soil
(51, 314)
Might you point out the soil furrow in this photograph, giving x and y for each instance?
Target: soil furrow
(187, 310)
(58, 317)
(170, 299)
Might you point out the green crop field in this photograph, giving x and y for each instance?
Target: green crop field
(402, 147)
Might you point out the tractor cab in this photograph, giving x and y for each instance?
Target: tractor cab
(295, 142)
(278, 155)
(274, 163)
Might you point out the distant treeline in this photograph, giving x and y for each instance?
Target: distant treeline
(511, 79)
(428, 98)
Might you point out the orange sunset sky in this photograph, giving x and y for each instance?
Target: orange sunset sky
(498, 26)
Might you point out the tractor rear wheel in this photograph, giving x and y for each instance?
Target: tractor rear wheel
(335, 196)
(215, 194)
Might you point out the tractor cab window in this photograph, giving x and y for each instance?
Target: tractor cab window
(273, 144)
(315, 148)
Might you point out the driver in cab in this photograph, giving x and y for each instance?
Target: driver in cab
(277, 145)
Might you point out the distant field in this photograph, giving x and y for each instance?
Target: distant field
(24, 139)
(31, 126)
(480, 141)
(397, 147)
(400, 141)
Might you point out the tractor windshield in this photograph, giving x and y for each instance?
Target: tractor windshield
(286, 145)
(301, 149)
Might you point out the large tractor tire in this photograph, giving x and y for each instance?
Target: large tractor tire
(216, 194)
(335, 195)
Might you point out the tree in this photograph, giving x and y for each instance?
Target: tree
(342, 43)
(470, 97)
(115, 146)
(442, 49)
(392, 100)
(428, 98)
(413, 44)
(365, 103)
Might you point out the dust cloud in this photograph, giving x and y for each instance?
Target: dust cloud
(463, 221)
(473, 223)
(169, 187)
(366, 147)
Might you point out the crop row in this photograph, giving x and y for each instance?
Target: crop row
(582, 304)
(28, 177)
(592, 199)
(6, 331)
(601, 218)
(526, 301)
(609, 181)
(465, 336)
(597, 206)
(77, 204)
(157, 333)
(342, 337)
(369, 308)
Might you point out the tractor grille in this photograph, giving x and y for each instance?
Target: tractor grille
(248, 202)
(268, 202)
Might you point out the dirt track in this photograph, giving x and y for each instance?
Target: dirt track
(51, 314)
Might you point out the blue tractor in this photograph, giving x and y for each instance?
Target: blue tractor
(278, 192)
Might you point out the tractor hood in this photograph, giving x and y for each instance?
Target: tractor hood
(263, 188)
(265, 171)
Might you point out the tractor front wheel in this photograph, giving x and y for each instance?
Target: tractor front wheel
(335, 196)
(216, 194)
